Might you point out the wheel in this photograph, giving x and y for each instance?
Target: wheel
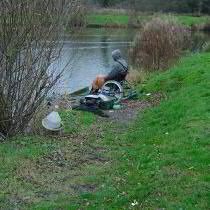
(114, 89)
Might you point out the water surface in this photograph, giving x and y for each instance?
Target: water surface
(89, 53)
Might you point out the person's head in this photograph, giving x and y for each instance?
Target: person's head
(116, 55)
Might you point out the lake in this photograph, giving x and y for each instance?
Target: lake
(89, 53)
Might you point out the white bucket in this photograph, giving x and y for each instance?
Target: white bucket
(52, 122)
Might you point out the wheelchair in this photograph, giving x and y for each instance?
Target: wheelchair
(121, 90)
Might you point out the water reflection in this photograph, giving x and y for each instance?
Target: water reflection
(104, 50)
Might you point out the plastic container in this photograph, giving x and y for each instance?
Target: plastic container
(52, 122)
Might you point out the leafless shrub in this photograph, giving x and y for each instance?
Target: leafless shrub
(29, 43)
(35, 126)
(134, 20)
(77, 14)
(159, 43)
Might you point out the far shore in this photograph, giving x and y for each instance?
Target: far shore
(118, 20)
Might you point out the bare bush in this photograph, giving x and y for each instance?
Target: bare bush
(77, 14)
(29, 43)
(160, 42)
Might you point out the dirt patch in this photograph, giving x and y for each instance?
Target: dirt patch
(84, 188)
(130, 109)
(127, 112)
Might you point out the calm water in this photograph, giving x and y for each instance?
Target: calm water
(89, 53)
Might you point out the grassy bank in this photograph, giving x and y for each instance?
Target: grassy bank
(103, 20)
(120, 20)
(161, 160)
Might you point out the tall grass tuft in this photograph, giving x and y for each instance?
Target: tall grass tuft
(136, 77)
(160, 43)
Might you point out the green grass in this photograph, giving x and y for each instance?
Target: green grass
(123, 20)
(116, 20)
(19, 148)
(164, 161)
(161, 160)
(74, 121)
(108, 19)
(191, 20)
(14, 154)
(29, 163)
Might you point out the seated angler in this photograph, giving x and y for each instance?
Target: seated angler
(118, 72)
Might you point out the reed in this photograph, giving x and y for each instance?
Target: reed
(159, 44)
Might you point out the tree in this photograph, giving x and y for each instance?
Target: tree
(178, 6)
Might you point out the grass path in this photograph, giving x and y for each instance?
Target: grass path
(161, 160)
